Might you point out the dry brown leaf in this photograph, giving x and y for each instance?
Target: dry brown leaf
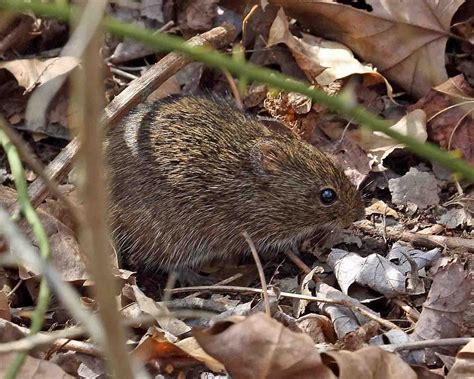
(32, 368)
(32, 72)
(443, 310)
(159, 311)
(191, 346)
(260, 347)
(10, 331)
(379, 207)
(359, 338)
(155, 345)
(66, 257)
(416, 190)
(464, 364)
(318, 327)
(449, 108)
(457, 88)
(5, 312)
(404, 39)
(368, 363)
(198, 14)
(321, 60)
(153, 9)
(379, 145)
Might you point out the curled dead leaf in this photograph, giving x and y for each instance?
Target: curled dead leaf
(368, 362)
(418, 29)
(34, 72)
(260, 347)
(323, 61)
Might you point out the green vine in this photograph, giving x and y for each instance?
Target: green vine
(253, 72)
(41, 236)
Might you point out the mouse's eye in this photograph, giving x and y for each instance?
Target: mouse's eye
(328, 196)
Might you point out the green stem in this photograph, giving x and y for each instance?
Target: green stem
(253, 72)
(41, 236)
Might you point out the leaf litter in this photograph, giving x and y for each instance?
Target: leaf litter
(391, 61)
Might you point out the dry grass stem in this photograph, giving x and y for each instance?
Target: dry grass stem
(385, 323)
(88, 93)
(261, 274)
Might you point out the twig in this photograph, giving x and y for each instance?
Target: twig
(41, 237)
(56, 339)
(122, 73)
(28, 157)
(297, 261)
(13, 290)
(426, 240)
(416, 345)
(261, 274)
(411, 312)
(166, 26)
(234, 89)
(221, 283)
(372, 316)
(59, 338)
(170, 283)
(135, 93)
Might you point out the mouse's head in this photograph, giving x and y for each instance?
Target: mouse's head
(305, 186)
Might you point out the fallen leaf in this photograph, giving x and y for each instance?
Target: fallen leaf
(443, 310)
(464, 364)
(318, 327)
(198, 15)
(159, 311)
(66, 255)
(260, 347)
(456, 217)
(344, 319)
(404, 39)
(373, 271)
(299, 305)
(449, 109)
(129, 50)
(359, 338)
(369, 362)
(456, 88)
(90, 367)
(380, 146)
(5, 312)
(322, 61)
(152, 9)
(400, 253)
(34, 72)
(192, 347)
(32, 368)
(416, 188)
(380, 208)
(155, 345)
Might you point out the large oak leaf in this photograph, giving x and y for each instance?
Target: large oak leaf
(404, 39)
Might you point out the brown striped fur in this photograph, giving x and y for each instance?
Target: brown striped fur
(187, 175)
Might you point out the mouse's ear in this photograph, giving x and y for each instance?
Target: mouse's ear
(269, 156)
